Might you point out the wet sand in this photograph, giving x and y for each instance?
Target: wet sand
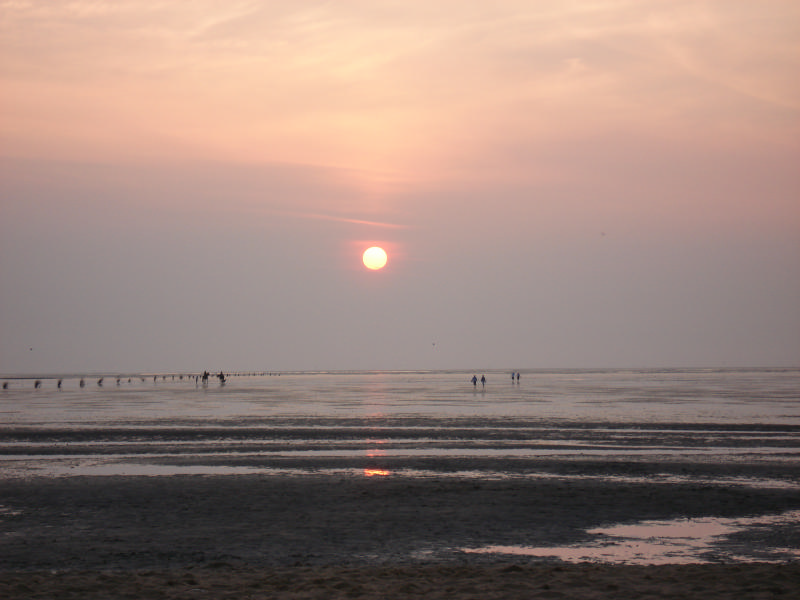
(364, 537)
(508, 582)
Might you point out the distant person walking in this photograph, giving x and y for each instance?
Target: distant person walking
(483, 380)
(474, 380)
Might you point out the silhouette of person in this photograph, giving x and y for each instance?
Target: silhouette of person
(474, 380)
(483, 380)
(517, 376)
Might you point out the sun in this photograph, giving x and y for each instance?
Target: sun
(374, 258)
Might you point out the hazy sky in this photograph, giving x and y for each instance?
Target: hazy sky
(594, 183)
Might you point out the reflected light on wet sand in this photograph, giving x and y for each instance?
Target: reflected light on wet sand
(682, 541)
(373, 453)
(376, 472)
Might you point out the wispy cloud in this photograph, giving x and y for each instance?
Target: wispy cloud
(325, 217)
(410, 91)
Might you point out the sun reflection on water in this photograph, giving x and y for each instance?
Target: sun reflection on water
(374, 453)
(376, 472)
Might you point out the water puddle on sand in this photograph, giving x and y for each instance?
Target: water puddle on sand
(681, 541)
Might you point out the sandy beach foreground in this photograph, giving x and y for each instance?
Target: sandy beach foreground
(485, 582)
(324, 536)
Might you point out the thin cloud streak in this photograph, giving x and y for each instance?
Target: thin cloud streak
(324, 217)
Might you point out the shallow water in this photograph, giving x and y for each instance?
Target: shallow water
(414, 422)
(738, 396)
(679, 541)
(731, 428)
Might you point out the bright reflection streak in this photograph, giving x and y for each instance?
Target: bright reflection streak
(376, 472)
(373, 452)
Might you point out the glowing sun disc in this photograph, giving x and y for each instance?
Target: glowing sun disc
(374, 258)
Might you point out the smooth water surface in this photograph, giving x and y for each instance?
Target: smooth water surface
(721, 396)
(410, 422)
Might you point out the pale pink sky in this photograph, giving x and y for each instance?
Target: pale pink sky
(587, 183)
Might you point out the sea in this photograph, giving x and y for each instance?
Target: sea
(742, 424)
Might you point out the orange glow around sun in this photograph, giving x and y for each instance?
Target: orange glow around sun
(374, 258)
